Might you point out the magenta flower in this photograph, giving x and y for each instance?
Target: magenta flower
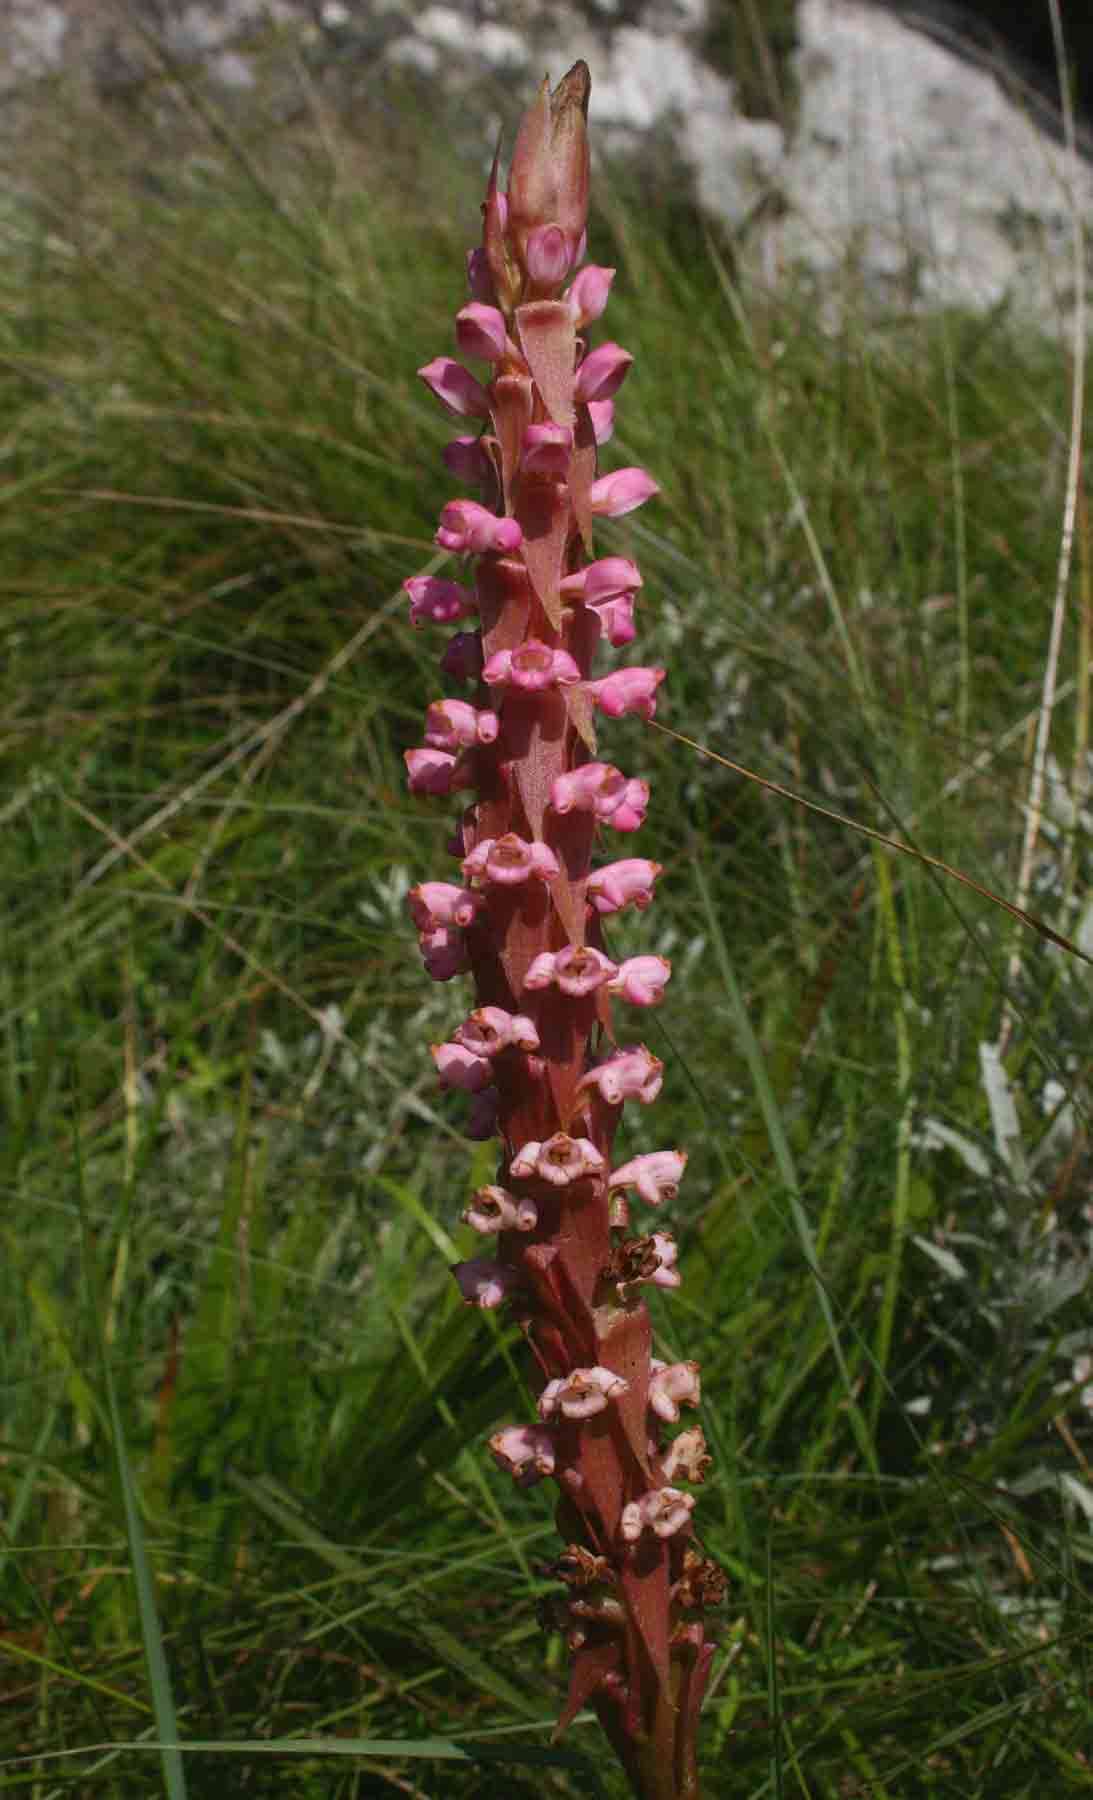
(537, 1053)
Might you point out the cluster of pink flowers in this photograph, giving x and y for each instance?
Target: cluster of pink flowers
(524, 919)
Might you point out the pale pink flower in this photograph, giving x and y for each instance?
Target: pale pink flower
(455, 387)
(490, 1029)
(495, 1209)
(641, 980)
(532, 666)
(686, 1456)
(436, 772)
(546, 449)
(483, 1282)
(663, 1510)
(587, 296)
(629, 814)
(436, 602)
(549, 255)
(667, 1250)
(434, 903)
(456, 725)
(581, 1393)
(655, 1176)
(444, 952)
(480, 331)
(621, 491)
(632, 690)
(459, 1067)
(602, 415)
(603, 372)
(560, 1160)
(625, 883)
(575, 970)
(468, 529)
(526, 1452)
(510, 859)
(631, 1074)
(673, 1385)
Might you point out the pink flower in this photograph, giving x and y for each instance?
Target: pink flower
(602, 415)
(620, 492)
(434, 903)
(546, 449)
(461, 1068)
(549, 255)
(655, 1177)
(479, 279)
(491, 1029)
(510, 859)
(444, 952)
(602, 372)
(468, 460)
(625, 883)
(581, 1393)
(624, 691)
(667, 1250)
(663, 1510)
(594, 787)
(587, 297)
(526, 1452)
(462, 660)
(673, 1385)
(575, 970)
(607, 587)
(480, 331)
(468, 529)
(483, 1282)
(436, 602)
(629, 814)
(632, 1074)
(641, 980)
(454, 725)
(455, 387)
(495, 1209)
(435, 772)
(532, 666)
(560, 1160)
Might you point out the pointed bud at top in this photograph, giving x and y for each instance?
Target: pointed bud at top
(548, 180)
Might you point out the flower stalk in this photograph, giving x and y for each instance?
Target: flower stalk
(538, 1054)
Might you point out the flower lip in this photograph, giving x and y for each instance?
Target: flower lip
(581, 1393)
(559, 1160)
(510, 859)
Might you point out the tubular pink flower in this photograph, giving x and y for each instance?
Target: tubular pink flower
(550, 255)
(495, 1209)
(641, 980)
(532, 666)
(663, 1510)
(468, 529)
(458, 1067)
(674, 1385)
(435, 772)
(491, 1029)
(603, 580)
(602, 415)
(655, 1176)
(581, 1393)
(667, 1275)
(603, 372)
(455, 725)
(526, 1452)
(626, 883)
(444, 952)
(467, 460)
(434, 903)
(616, 618)
(594, 787)
(629, 814)
(480, 331)
(587, 296)
(462, 660)
(483, 1282)
(575, 970)
(560, 1160)
(632, 1074)
(456, 388)
(547, 449)
(437, 602)
(620, 492)
(632, 690)
(510, 859)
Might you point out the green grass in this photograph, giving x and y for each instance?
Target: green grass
(242, 1478)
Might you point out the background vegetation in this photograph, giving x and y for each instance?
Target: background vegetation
(243, 1496)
